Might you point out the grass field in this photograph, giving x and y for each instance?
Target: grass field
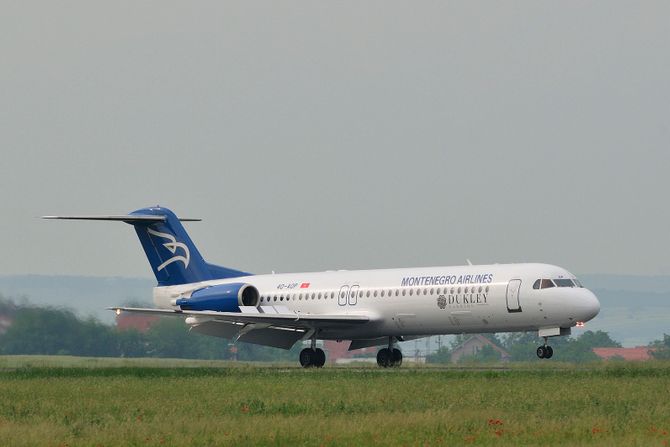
(67, 401)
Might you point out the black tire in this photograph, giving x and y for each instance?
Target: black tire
(307, 357)
(397, 358)
(541, 352)
(384, 357)
(549, 352)
(319, 358)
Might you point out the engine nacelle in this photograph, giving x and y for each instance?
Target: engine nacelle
(222, 298)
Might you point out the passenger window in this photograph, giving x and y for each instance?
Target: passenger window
(403, 292)
(375, 294)
(411, 291)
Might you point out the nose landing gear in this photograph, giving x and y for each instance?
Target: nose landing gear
(545, 351)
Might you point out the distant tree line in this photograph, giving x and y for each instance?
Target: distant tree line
(661, 348)
(54, 331)
(522, 345)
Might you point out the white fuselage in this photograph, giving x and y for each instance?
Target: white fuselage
(421, 301)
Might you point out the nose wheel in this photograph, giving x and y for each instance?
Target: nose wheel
(545, 351)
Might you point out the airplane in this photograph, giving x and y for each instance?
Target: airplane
(366, 307)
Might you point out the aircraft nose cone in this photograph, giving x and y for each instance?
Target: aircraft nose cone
(590, 305)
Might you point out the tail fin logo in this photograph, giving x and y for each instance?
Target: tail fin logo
(172, 246)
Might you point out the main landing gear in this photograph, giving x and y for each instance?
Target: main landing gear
(389, 357)
(312, 356)
(545, 351)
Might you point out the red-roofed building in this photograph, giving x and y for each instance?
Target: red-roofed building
(638, 353)
(340, 350)
(139, 322)
(473, 345)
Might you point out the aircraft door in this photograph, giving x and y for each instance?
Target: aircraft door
(512, 295)
(343, 296)
(353, 295)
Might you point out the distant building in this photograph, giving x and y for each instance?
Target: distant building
(340, 350)
(5, 322)
(139, 322)
(473, 345)
(638, 353)
(7, 311)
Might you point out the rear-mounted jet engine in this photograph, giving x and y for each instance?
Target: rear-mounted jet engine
(222, 298)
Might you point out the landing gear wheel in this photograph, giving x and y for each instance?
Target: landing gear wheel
(319, 358)
(396, 358)
(541, 352)
(307, 357)
(548, 352)
(384, 358)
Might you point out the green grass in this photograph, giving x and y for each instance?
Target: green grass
(71, 401)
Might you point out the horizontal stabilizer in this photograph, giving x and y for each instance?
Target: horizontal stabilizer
(173, 256)
(129, 218)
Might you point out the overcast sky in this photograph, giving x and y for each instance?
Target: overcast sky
(326, 135)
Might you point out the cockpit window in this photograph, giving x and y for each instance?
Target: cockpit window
(561, 282)
(564, 283)
(546, 283)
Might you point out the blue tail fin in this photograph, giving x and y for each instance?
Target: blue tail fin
(173, 257)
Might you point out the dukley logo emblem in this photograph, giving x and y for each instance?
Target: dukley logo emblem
(172, 246)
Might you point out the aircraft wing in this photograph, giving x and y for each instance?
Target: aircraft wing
(280, 330)
(289, 320)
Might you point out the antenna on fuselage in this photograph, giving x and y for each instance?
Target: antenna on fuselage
(469, 263)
